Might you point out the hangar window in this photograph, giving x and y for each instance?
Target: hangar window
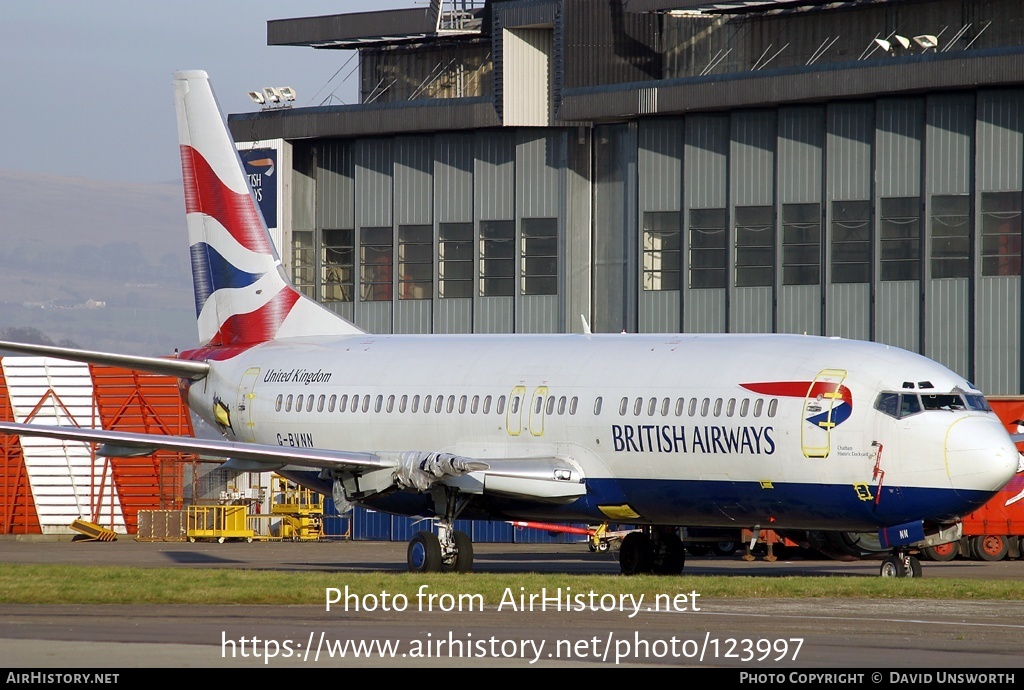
(951, 236)
(707, 248)
(280, 403)
(415, 262)
(539, 256)
(455, 260)
(661, 250)
(303, 264)
(755, 246)
(338, 265)
(497, 257)
(900, 242)
(1001, 233)
(801, 244)
(850, 248)
(375, 263)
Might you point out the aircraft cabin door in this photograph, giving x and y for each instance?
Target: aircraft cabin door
(514, 416)
(246, 428)
(540, 394)
(823, 404)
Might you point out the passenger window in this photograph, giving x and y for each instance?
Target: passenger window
(451, 404)
(744, 406)
(515, 405)
(366, 403)
(622, 406)
(561, 405)
(718, 407)
(652, 406)
(575, 400)
(379, 403)
(309, 403)
(758, 404)
(343, 403)
(415, 404)
(280, 402)
(730, 407)
(426, 403)
(391, 404)
(704, 407)
(551, 406)
(331, 402)
(288, 404)
(298, 402)
(638, 407)
(438, 401)
(539, 405)
(476, 404)
(462, 405)
(487, 405)
(680, 405)
(355, 403)
(597, 405)
(402, 403)
(320, 403)
(500, 408)
(664, 407)
(773, 405)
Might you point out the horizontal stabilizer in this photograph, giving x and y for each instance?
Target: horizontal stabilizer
(180, 368)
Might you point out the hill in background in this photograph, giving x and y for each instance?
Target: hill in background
(101, 264)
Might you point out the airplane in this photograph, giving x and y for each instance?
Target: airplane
(762, 431)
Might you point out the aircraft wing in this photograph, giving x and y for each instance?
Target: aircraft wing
(167, 366)
(547, 479)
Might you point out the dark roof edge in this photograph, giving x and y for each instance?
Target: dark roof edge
(340, 27)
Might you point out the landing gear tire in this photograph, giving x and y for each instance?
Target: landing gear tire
(601, 546)
(893, 567)
(724, 548)
(673, 558)
(462, 562)
(424, 553)
(915, 567)
(636, 555)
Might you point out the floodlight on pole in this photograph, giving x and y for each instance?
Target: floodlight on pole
(926, 41)
(287, 93)
(905, 42)
(257, 97)
(884, 44)
(272, 94)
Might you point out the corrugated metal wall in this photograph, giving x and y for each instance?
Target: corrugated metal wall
(660, 170)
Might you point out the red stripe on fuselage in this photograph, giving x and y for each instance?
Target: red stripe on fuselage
(799, 389)
(257, 326)
(205, 193)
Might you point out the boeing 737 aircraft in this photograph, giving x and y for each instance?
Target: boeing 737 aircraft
(786, 432)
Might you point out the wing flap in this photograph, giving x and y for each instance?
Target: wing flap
(549, 479)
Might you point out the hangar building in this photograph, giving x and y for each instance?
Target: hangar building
(846, 169)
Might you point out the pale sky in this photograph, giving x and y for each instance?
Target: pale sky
(88, 89)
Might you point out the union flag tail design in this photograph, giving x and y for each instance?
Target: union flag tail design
(243, 295)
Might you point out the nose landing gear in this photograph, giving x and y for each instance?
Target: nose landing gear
(900, 564)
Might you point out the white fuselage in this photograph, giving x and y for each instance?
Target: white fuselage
(709, 428)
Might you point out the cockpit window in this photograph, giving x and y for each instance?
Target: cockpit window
(978, 403)
(898, 405)
(942, 402)
(909, 404)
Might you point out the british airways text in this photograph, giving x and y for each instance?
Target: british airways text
(671, 438)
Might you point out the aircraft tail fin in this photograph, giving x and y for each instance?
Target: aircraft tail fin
(243, 295)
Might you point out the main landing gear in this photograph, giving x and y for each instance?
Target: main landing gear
(900, 564)
(448, 551)
(652, 551)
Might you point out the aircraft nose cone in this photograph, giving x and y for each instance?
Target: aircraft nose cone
(980, 456)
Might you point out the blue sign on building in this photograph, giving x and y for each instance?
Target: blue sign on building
(260, 167)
